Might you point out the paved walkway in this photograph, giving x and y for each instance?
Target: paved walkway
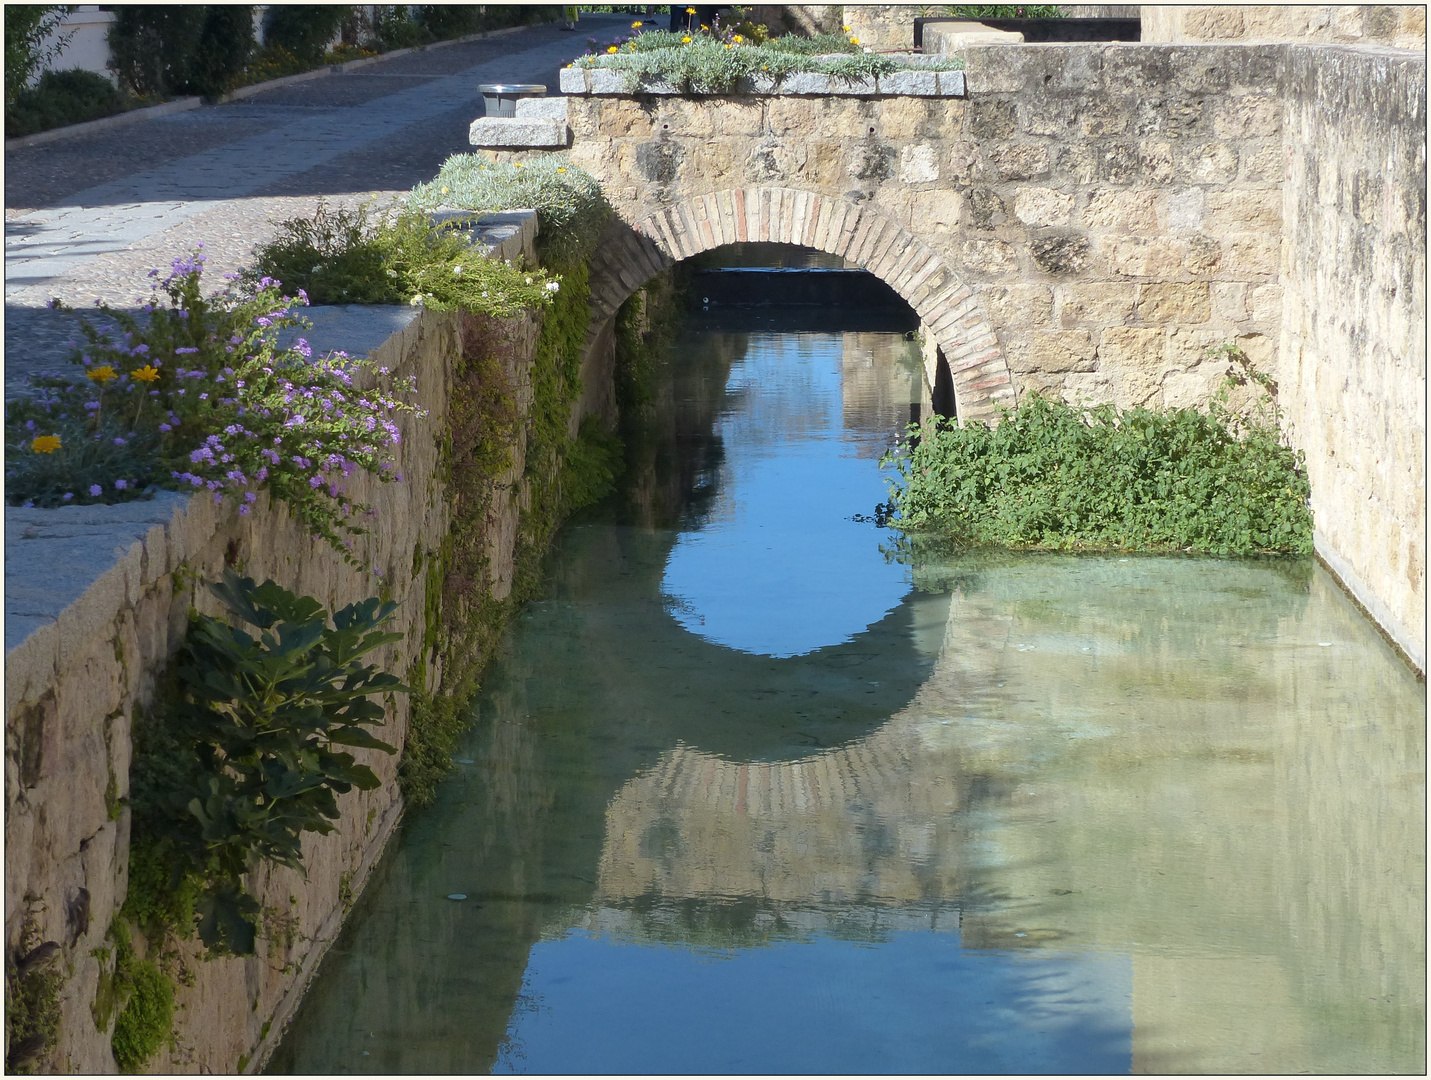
(87, 218)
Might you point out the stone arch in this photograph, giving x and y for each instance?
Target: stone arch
(636, 250)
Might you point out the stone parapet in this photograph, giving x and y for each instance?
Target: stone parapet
(605, 82)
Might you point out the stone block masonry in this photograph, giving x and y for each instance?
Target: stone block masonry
(97, 603)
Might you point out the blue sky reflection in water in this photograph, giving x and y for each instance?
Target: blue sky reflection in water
(778, 567)
(913, 1002)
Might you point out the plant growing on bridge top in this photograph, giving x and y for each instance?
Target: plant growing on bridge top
(1059, 477)
(252, 753)
(702, 63)
(571, 208)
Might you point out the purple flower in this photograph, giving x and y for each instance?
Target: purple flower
(249, 496)
(243, 510)
(165, 427)
(203, 397)
(315, 482)
(91, 405)
(118, 441)
(120, 485)
(186, 350)
(68, 495)
(96, 490)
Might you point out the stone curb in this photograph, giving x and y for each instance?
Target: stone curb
(153, 112)
(184, 104)
(606, 82)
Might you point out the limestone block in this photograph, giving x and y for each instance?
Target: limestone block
(988, 257)
(1062, 254)
(1095, 304)
(1050, 350)
(1184, 209)
(865, 85)
(918, 163)
(1027, 307)
(1088, 388)
(1204, 255)
(1153, 257)
(1019, 161)
(1075, 163)
(1042, 206)
(1266, 305)
(1186, 303)
(910, 83)
(1229, 301)
(515, 132)
(952, 84)
(1249, 116)
(1211, 163)
(572, 80)
(1249, 253)
(1133, 348)
(903, 118)
(1122, 211)
(942, 209)
(1155, 162)
(1244, 211)
(1194, 388)
(737, 118)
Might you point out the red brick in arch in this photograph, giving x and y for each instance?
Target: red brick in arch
(631, 255)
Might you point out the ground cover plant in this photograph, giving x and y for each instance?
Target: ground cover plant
(717, 60)
(1059, 477)
(198, 395)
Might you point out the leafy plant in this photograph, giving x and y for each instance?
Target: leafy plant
(1055, 476)
(304, 30)
(1003, 11)
(63, 97)
(27, 29)
(200, 395)
(344, 256)
(261, 725)
(144, 996)
(163, 49)
(395, 28)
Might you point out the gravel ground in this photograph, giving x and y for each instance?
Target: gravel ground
(86, 218)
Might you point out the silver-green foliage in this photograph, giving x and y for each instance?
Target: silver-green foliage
(701, 64)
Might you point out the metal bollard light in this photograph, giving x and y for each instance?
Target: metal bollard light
(500, 99)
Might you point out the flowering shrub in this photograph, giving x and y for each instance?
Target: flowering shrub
(200, 396)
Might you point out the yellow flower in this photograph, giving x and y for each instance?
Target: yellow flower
(612, 49)
(101, 374)
(148, 373)
(846, 29)
(636, 24)
(690, 11)
(561, 168)
(46, 444)
(738, 39)
(444, 191)
(728, 45)
(686, 40)
(705, 29)
(632, 46)
(516, 164)
(854, 41)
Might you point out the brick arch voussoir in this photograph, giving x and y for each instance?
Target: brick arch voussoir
(862, 235)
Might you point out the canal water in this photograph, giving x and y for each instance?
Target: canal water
(753, 790)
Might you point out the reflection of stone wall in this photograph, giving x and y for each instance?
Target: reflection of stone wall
(1159, 759)
(1402, 26)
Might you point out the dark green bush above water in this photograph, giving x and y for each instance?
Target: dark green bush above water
(1052, 476)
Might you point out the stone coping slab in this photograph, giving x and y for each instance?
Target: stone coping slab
(608, 82)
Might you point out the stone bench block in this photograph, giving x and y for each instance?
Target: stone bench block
(605, 81)
(519, 133)
(541, 108)
(571, 81)
(805, 82)
(952, 84)
(851, 87)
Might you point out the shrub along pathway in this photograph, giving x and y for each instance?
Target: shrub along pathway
(87, 218)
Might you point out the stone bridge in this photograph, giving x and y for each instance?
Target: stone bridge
(1088, 221)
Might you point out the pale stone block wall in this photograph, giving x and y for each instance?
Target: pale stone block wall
(73, 685)
(1353, 344)
(1400, 25)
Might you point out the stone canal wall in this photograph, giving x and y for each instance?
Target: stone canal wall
(87, 636)
(1352, 351)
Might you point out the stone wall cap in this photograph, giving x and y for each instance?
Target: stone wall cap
(519, 133)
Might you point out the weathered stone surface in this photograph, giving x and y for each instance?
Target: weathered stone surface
(1175, 302)
(504, 132)
(1095, 305)
(1050, 350)
(1042, 206)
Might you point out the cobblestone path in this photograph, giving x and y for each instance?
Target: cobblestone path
(86, 218)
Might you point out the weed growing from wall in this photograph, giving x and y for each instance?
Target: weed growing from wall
(1052, 476)
(250, 754)
(32, 999)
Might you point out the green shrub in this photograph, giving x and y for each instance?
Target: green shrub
(261, 725)
(63, 97)
(395, 28)
(702, 63)
(27, 26)
(351, 256)
(571, 208)
(160, 50)
(146, 1018)
(1003, 11)
(1058, 477)
(304, 30)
